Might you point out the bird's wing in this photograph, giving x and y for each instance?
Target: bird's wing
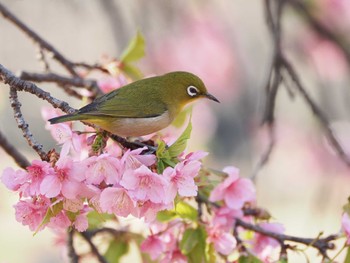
(125, 104)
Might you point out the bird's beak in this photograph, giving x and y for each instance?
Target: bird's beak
(211, 97)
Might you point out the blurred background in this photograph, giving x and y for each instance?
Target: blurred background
(304, 185)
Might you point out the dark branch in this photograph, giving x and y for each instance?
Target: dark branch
(88, 237)
(68, 65)
(321, 244)
(21, 85)
(319, 28)
(74, 257)
(20, 159)
(16, 105)
(90, 85)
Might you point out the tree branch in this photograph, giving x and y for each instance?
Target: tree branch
(21, 85)
(74, 257)
(19, 158)
(16, 105)
(321, 244)
(88, 237)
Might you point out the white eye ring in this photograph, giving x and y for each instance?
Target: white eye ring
(192, 91)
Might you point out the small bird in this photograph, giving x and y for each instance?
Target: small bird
(142, 107)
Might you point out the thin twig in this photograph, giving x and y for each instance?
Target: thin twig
(89, 84)
(74, 257)
(321, 244)
(16, 105)
(68, 65)
(319, 28)
(21, 85)
(93, 248)
(317, 112)
(18, 157)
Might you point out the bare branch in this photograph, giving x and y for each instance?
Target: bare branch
(89, 84)
(19, 158)
(321, 244)
(21, 85)
(317, 112)
(16, 105)
(88, 237)
(68, 65)
(74, 257)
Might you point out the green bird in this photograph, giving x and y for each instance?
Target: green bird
(142, 107)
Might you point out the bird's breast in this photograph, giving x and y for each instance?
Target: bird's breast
(138, 126)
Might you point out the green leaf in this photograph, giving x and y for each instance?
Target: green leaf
(186, 211)
(96, 219)
(132, 71)
(50, 213)
(181, 117)
(210, 255)
(189, 240)
(116, 250)
(180, 144)
(249, 259)
(198, 252)
(166, 215)
(347, 258)
(135, 50)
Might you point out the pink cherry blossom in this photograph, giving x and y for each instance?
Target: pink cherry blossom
(144, 185)
(153, 245)
(14, 179)
(174, 256)
(133, 159)
(224, 217)
(148, 210)
(101, 168)
(36, 173)
(224, 242)
(81, 223)
(264, 245)
(59, 221)
(345, 222)
(109, 83)
(233, 190)
(116, 200)
(31, 212)
(62, 182)
(181, 179)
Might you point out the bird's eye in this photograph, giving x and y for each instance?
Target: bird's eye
(192, 91)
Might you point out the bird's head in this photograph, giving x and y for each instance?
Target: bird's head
(184, 87)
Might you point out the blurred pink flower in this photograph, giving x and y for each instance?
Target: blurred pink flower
(148, 210)
(12, 179)
(199, 45)
(81, 223)
(109, 83)
(233, 190)
(153, 245)
(224, 242)
(264, 245)
(60, 221)
(144, 185)
(31, 212)
(174, 256)
(224, 217)
(116, 200)
(345, 222)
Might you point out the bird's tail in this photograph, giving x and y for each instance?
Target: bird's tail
(64, 118)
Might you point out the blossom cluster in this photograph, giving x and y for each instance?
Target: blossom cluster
(61, 193)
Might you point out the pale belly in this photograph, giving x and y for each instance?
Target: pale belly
(132, 127)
